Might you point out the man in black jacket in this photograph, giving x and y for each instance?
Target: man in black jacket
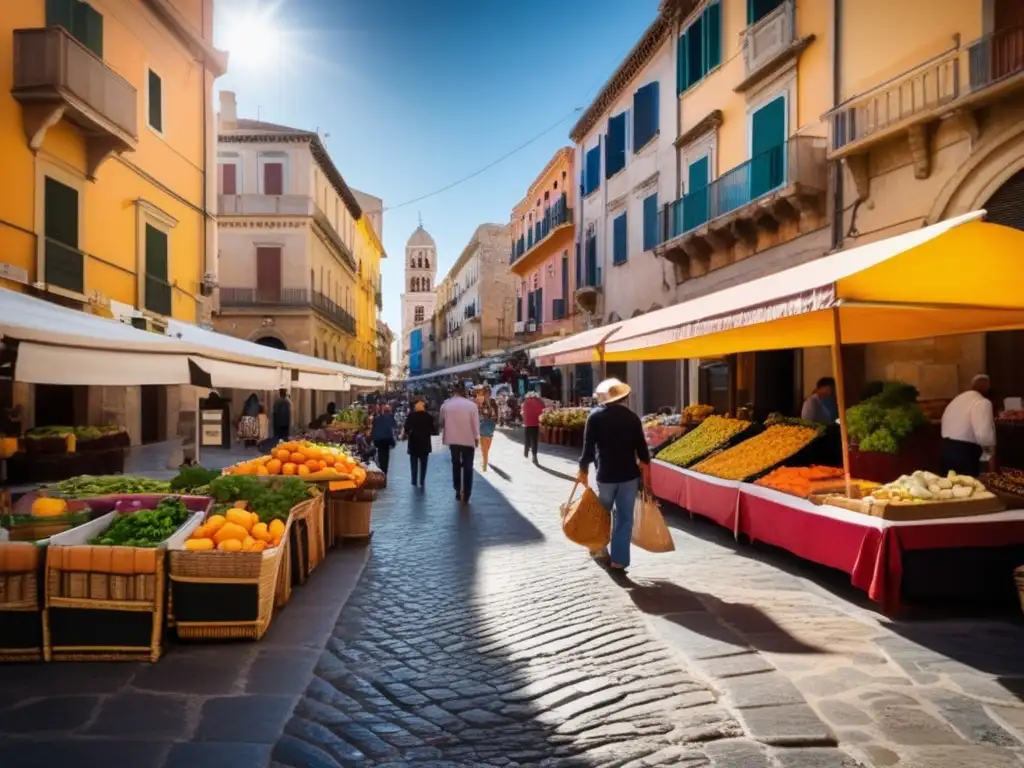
(282, 416)
(614, 439)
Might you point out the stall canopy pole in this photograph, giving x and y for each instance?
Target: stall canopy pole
(602, 366)
(837, 372)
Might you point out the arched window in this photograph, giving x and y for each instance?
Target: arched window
(417, 315)
(426, 283)
(426, 263)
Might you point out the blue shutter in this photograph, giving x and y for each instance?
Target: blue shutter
(592, 177)
(681, 82)
(712, 36)
(540, 306)
(645, 122)
(579, 265)
(696, 203)
(615, 148)
(620, 250)
(565, 276)
(650, 222)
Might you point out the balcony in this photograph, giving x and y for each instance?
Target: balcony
(334, 238)
(769, 44)
(589, 287)
(298, 298)
(379, 299)
(953, 84)
(158, 296)
(56, 77)
(557, 218)
(265, 205)
(774, 187)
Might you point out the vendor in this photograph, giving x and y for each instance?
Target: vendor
(969, 429)
(819, 407)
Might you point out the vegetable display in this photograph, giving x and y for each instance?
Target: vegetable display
(775, 444)
(350, 416)
(105, 485)
(565, 418)
(147, 527)
(922, 487)
(307, 460)
(82, 434)
(879, 422)
(713, 432)
(190, 479)
(236, 531)
(269, 500)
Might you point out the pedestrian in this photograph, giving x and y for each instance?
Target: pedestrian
(533, 407)
(460, 430)
(969, 430)
(249, 425)
(282, 420)
(614, 439)
(419, 431)
(383, 436)
(488, 420)
(264, 424)
(817, 408)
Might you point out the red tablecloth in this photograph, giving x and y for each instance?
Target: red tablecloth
(698, 494)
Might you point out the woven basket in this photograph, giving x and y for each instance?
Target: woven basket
(229, 595)
(1018, 577)
(21, 637)
(585, 521)
(283, 590)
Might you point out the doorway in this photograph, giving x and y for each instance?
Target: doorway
(59, 405)
(153, 398)
(775, 387)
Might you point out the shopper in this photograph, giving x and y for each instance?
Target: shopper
(818, 407)
(249, 425)
(419, 431)
(614, 439)
(488, 409)
(282, 420)
(383, 436)
(533, 407)
(969, 430)
(460, 430)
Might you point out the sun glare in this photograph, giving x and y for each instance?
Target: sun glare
(254, 41)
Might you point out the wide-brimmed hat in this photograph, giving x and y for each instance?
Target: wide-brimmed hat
(611, 391)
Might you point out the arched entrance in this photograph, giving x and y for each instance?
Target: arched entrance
(271, 341)
(1004, 350)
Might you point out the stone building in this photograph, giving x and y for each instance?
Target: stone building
(418, 296)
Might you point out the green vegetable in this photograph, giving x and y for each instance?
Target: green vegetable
(192, 478)
(882, 421)
(147, 527)
(271, 500)
(105, 485)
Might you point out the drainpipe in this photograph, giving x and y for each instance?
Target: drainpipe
(837, 165)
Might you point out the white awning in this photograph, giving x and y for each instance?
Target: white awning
(579, 348)
(473, 365)
(50, 364)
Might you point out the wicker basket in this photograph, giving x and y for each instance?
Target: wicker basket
(21, 604)
(107, 603)
(230, 595)
(283, 591)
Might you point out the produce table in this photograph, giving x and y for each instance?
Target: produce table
(870, 549)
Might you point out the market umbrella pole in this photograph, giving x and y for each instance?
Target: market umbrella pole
(602, 366)
(837, 372)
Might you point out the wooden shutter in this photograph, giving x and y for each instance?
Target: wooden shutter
(61, 212)
(268, 274)
(156, 253)
(93, 31)
(619, 246)
(273, 178)
(695, 51)
(767, 147)
(156, 108)
(712, 36)
(565, 276)
(540, 305)
(650, 222)
(228, 179)
(579, 265)
(681, 81)
(615, 148)
(60, 13)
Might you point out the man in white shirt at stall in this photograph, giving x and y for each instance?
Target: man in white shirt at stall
(969, 429)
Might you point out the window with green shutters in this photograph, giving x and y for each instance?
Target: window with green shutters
(158, 287)
(699, 48)
(620, 245)
(80, 19)
(63, 264)
(758, 9)
(156, 102)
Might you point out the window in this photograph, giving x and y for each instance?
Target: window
(615, 146)
(417, 315)
(758, 9)
(650, 222)
(620, 245)
(268, 274)
(565, 275)
(645, 110)
(80, 20)
(768, 147)
(63, 264)
(699, 49)
(697, 205)
(228, 178)
(158, 287)
(592, 170)
(273, 177)
(156, 102)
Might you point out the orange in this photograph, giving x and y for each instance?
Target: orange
(304, 470)
(274, 466)
(263, 460)
(298, 458)
(321, 465)
(290, 447)
(282, 455)
(313, 465)
(288, 469)
(311, 452)
(262, 470)
(328, 459)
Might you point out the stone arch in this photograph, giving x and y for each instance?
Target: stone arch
(995, 160)
(269, 337)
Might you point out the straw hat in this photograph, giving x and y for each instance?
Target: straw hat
(611, 391)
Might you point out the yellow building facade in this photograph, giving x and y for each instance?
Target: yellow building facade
(369, 299)
(106, 124)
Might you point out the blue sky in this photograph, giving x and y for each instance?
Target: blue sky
(416, 94)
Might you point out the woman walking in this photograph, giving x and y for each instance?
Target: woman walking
(383, 435)
(249, 425)
(419, 429)
(488, 420)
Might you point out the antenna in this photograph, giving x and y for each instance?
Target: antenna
(420, 214)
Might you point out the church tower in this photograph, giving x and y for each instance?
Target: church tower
(418, 297)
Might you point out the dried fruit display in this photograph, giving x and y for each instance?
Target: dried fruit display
(712, 433)
(801, 481)
(755, 455)
(1006, 481)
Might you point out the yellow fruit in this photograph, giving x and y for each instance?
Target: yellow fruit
(230, 545)
(713, 432)
(201, 533)
(262, 470)
(215, 522)
(260, 532)
(240, 517)
(47, 507)
(276, 541)
(259, 546)
(276, 528)
(230, 531)
(758, 453)
(255, 517)
(199, 545)
(247, 543)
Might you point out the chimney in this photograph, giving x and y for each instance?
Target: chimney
(228, 117)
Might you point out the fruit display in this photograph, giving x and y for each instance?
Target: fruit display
(1007, 480)
(712, 433)
(881, 421)
(145, 528)
(697, 412)
(800, 481)
(237, 530)
(922, 487)
(85, 486)
(270, 500)
(309, 461)
(565, 418)
(756, 454)
(657, 435)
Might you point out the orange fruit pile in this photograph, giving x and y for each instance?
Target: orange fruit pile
(303, 459)
(236, 531)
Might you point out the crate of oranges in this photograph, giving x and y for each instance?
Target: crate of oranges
(310, 461)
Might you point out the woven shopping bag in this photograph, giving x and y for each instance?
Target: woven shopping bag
(649, 529)
(585, 521)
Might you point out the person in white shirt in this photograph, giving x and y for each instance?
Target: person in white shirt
(969, 429)
(460, 431)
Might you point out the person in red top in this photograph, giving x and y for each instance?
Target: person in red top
(533, 407)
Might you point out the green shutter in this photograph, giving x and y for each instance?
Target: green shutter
(156, 116)
(681, 84)
(60, 13)
(695, 52)
(93, 31)
(712, 36)
(60, 217)
(156, 253)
